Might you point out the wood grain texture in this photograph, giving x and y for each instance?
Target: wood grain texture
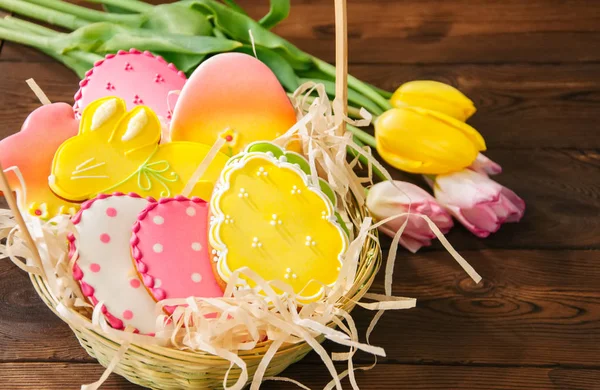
(439, 31)
(67, 376)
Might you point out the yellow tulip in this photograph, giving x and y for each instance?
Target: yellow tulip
(418, 140)
(435, 96)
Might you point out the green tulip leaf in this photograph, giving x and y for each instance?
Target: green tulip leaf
(280, 9)
(177, 18)
(237, 26)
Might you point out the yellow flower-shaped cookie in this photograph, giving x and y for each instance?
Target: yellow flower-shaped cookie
(268, 216)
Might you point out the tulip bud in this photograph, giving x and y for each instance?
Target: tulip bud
(387, 199)
(418, 140)
(435, 96)
(479, 203)
(483, 164)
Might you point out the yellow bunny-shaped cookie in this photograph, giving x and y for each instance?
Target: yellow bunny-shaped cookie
(119, 151)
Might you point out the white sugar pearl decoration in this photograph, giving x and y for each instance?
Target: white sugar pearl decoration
(196, 246)
(196, 277)
(243, 193)
(157, 283)
(157, 248)
(190, 211)
(309, 241)
(158, 220)
(296, 190)
(262, 172)
(275, 220)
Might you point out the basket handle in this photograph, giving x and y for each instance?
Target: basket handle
(341, 59)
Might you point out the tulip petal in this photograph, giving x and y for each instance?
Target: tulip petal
(484, 165)
(469, 131)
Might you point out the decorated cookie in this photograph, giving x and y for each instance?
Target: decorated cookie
(32, 150)
(233, 96)
(117, 150)
(169, 245)
(270, 217)
(104, 267)
(137, 78)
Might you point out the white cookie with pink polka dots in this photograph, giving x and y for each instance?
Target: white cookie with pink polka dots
(170, 246)
(104, 267)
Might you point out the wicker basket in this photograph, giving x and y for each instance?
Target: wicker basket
(167, 368)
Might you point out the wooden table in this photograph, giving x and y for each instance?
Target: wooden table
(533, 69)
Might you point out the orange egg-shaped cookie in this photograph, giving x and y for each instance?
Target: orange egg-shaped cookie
(233, 96)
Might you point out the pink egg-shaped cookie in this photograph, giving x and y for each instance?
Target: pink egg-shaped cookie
(170, 245)
(104, 268)
(137, 77)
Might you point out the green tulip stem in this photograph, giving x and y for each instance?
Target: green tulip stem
(363, 136)
(89, 14)
(22, 37)
(43, 14)
(129, 5)
(20, 24)
(355, 84)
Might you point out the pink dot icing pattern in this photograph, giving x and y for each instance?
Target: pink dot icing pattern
(169, 244)
(136, 77)
(104, 268)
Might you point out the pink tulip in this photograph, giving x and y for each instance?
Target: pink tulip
(386, 200)
(478, 202)
(482, 164)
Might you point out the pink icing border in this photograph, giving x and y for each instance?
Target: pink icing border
(89, 73)
(88, 290)
(158, 293)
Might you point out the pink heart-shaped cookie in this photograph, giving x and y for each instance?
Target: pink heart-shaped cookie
(32, 150)
(169, 244)
(134, 76)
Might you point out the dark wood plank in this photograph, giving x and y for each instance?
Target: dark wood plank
(438, 31)
(61, 376)
(28, 329)
(538, 308)
(520, 106)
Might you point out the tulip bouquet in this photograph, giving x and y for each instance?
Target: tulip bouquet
(421, 128)
(425, 133)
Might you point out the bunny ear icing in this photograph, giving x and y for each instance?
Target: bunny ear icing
(102, 116)
(134, 76)
(139, 128)
(233, 96)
